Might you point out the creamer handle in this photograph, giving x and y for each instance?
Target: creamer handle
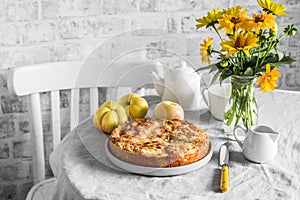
(235, 134)
(204, 96)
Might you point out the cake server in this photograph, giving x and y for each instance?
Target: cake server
(223, 162)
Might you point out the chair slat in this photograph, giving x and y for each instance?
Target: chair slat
(55, 116)
(74, 108)
(93, 100)
(38, 166)
(47, 77)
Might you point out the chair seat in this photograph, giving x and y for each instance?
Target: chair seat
(42, 191)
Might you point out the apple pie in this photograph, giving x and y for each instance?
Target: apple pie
(159, 142)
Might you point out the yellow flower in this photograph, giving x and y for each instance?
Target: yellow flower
(240, 42)
(205, 50)
(259, 21)
(209, 20)
(232, 19)
(272, 7)
(267, 81)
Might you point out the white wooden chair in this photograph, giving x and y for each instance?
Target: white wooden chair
(52, 77)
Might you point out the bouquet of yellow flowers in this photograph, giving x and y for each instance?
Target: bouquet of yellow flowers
(249, 52)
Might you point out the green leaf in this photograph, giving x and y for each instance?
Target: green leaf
(236, 70)
(205, 68)
(271, 58)
(213, 68)
(225, 73)
(213, 80)
(250, 62)
(249, 71)
(284, 60)
(279, 53)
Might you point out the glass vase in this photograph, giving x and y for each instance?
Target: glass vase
(241, 108)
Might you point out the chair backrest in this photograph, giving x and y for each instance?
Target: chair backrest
(52, 77)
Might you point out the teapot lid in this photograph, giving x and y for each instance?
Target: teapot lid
(182, 68)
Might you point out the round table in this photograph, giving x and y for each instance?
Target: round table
(83, 170)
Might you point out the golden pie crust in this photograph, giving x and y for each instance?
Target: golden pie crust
(159, 142)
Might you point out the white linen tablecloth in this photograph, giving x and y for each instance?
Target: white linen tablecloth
(83, 171)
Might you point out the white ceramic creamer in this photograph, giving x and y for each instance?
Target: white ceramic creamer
(260, 144)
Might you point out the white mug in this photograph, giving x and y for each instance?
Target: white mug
(218, 96)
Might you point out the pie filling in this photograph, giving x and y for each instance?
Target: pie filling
(159, 143)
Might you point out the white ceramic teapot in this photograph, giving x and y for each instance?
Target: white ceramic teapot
(181, 84)
(260, 144)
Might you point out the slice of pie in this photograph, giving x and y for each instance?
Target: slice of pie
(159, 143)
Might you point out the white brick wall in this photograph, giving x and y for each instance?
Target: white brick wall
(35, 31)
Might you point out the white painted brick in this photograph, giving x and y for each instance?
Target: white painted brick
(108, 26)
(174, 5)
(9, 34)
(22, 149)
(14, 170)
(111, 7)
(124, 46)
(24, 55)
(90, 27)
(294, 41)
(151, 5)
(3, 59)
(292, 78)
(155, 24)
(2, 12)
(24, 188)
(245, 4)
(174, 45)
(188, 23)
(212, 4)
(8, 191)
(191, 5)
(22, 11)
(183, 5)
(64, 51)
(40, 31)
(172, 24)
(290, 2)
(51, 9)
(59, 51)
(76, 28)
(4, 150)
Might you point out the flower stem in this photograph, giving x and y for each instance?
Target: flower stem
(242, 104)
(284, 34)
(217, 32)
(218, 52)
(257, 60)
(241, 60)
(270, 47)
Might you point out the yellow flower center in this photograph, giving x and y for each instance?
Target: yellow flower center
(269, 78)
(235, 20)
(240, 42)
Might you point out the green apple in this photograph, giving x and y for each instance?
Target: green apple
(135, 106)
(168, 110)
(109, 116)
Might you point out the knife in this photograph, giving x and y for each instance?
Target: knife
(223, 161)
